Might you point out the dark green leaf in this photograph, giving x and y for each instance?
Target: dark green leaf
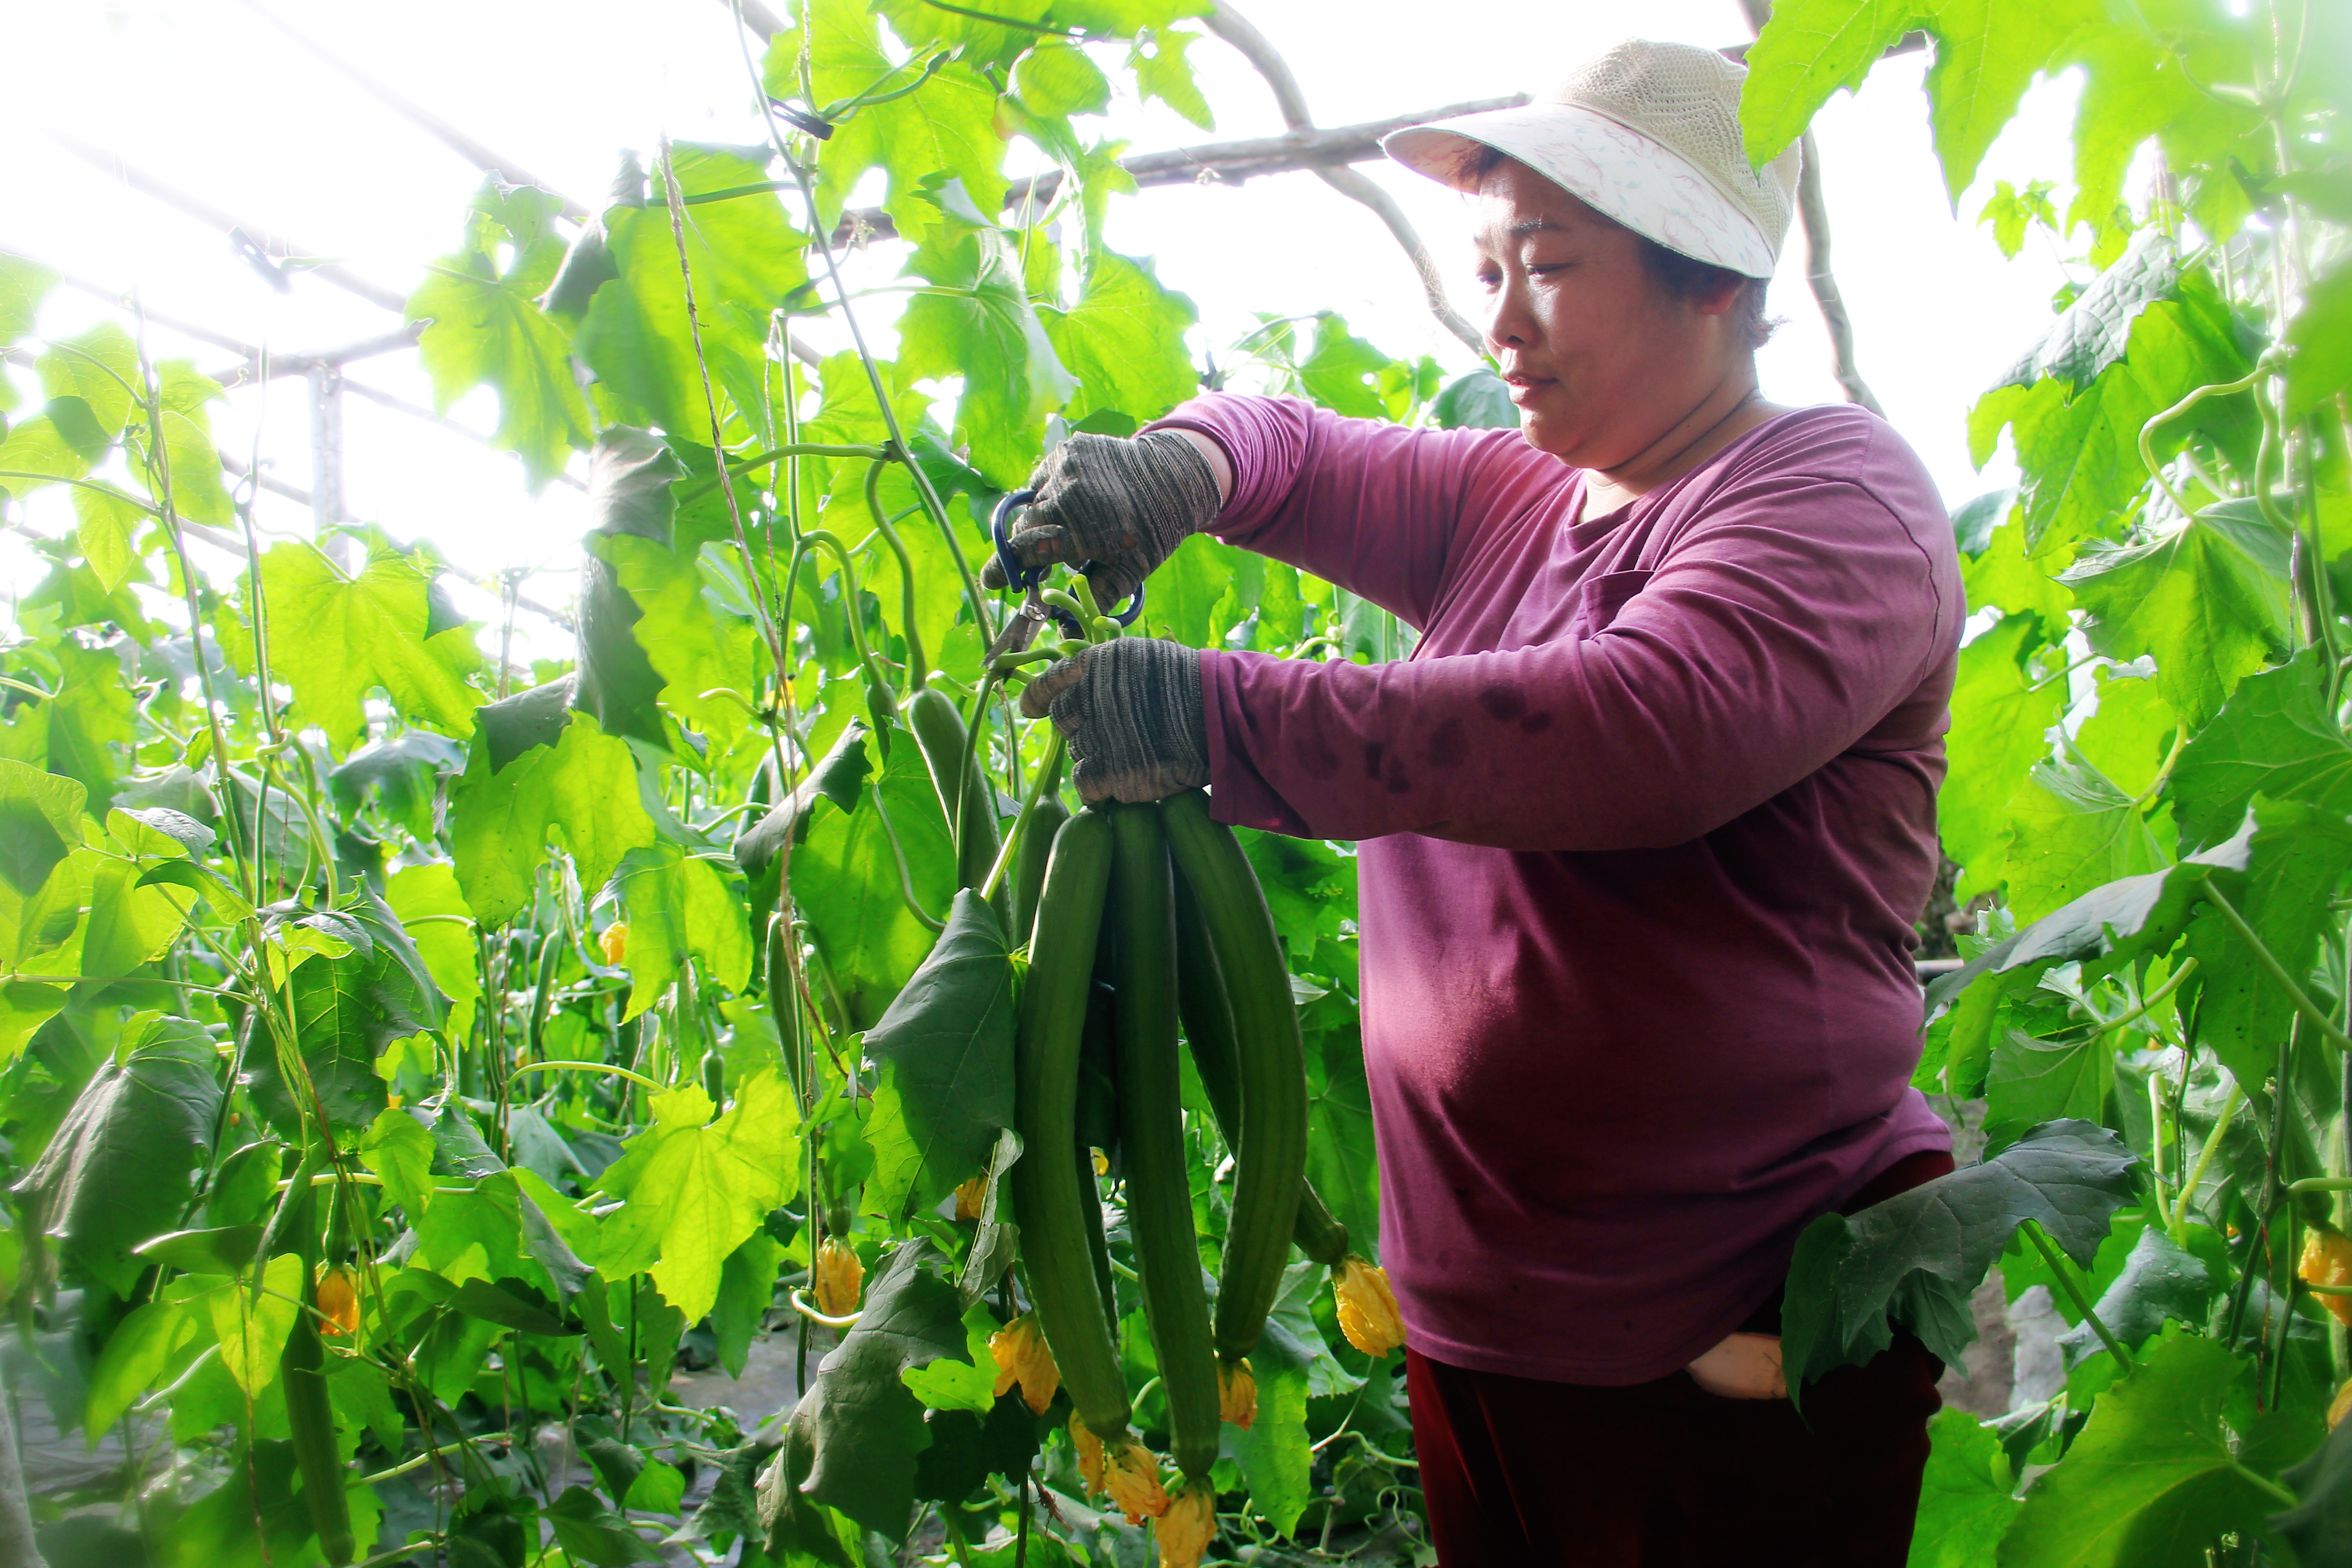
(40, 822)
(225, 1251)
(2320, 1527)
(858, 1418)
(845, 880)
(629, 477)
(2151, 1481)
(2160, 1282)
(2274, 737)
(943, 1053)
(121, 1167)
(1915, 1258)
(590, 1532)
(1481, 400)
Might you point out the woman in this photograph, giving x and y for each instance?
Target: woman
(1645, 821)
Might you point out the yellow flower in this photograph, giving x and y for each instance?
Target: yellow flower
(1090, 1454)
(1184, 1531)
(337, 1301)
(2327, 1260)
(1102, 1163)
(1132, 1475)
(1237, 1393)
(1024, 1357)
(969, 1196)
(840, 1277)
(615, 941)
(1368, 1309)
(2341, 1406)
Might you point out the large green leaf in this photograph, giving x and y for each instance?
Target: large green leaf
(484, 326)
(679, 905)
(40, 824)
(1124, 341)
(2151, 1481)
(100, 368)
(977, 322)
(629, 477)
(582, 785)
(2321, 336)
(708, 657)
(745, 258)
(122, 1166)
(349, 1008)
(1964, 1501)
(2000, 711)
(2208, 599)
(1915, 1258)
(1480, 399)
(943, 1054)
(2274, 737)
(844, 877)
(2071, 830)
(695, 1191)
(2161, 1282)
(2320, 1527)
(855, 1433)
(2032, 1081)
(944, 128)
(24, 282)
(334, 639)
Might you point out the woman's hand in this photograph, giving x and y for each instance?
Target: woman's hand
(1123, 504)
(1130, 710)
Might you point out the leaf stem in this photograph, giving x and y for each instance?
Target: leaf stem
(1048, 767)
(2230, 1106)
(2063, 1274)
(917, 666)
(899, 854)
(2147, 431)
(568, 1066)
(2270, 1488)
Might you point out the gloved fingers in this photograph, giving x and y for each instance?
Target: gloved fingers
(1098, 782)
(1034, 544)
(1037, 699)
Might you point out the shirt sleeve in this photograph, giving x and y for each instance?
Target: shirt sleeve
(1376, 508)
(1772, 637)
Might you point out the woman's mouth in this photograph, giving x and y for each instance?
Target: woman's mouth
(1525, 387)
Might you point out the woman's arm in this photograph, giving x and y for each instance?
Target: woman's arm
(1376, 508)
(1773, 639)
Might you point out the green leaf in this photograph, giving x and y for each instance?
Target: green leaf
(746, 261)
(40, 824)
(679, 905)
(122, 1165)
(1480, 399)
(23, 283)
(977, 322)
(2095, 331)
(334, 639)
(694, 1192)
(694, 643)
(1915, 1258)
(947, 127)
(629, 477)
(194, 459)
(432, 909)
(2151, 1480)
(1999, 712)
(1125, 341)
(35, 455)
(846, 880)
(1274, 1454)
(2162, 1281)
(349, 1008)
(584, 786)
(2034, 1080)
(399, 1149)
(1162, 71)
(101, 367)
(136, 1353)
(2321, 336)
(1056, 78)
(1964, 1501)
(106, 520)
(943, 1056)
(2208, 599)
(590, 1532)
(747, 1289)
(252, 1327)
(859, 1419)
(2073, 830)
(2274, 737)
(484, 326)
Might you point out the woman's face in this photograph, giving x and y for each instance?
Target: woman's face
(1601, 360)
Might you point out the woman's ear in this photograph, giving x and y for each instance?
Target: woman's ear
(1716, 301)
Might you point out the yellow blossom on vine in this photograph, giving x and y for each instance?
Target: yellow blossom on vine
(1236, 1394)
(840, 1278)
(969, 1197)
(1024, 1357)
(1090, 1454)
(1132, 1475)
(615, 941)
(1184, 1532)
(337, 1301)
(2327, 1260)
(1368, 1309)
(2341, 1406)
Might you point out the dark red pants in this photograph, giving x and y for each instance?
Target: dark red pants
(1663, 1475)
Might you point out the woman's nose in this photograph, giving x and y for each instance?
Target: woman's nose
(1507, 319)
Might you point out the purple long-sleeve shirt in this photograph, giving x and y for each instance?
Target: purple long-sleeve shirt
(1645, 821)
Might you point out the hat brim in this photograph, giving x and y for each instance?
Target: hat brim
(1639, 181)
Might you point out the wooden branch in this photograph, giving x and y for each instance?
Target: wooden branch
(265, 242)
(1813, 215)
(1237, 30)
(425, 120)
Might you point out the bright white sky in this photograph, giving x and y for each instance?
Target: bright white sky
(206, 95)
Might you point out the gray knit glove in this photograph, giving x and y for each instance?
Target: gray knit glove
(1123, 504)
(1131, 711)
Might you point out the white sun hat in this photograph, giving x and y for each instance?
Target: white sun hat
(1647, 134)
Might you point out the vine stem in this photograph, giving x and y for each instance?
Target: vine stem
(1047, 767)
(2064, 1274)
(2230, 1106)
(567, 1066)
